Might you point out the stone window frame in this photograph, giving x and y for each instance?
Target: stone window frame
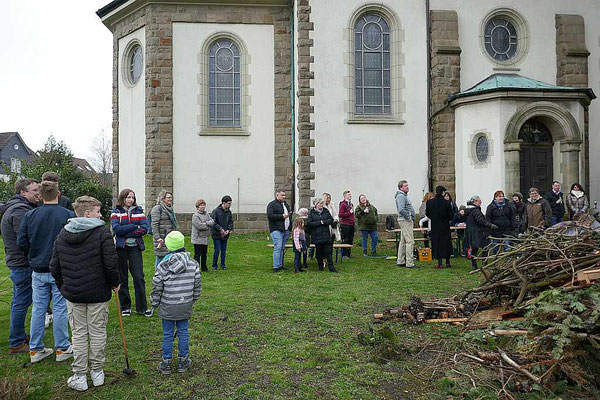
(473, 148)
(204, 129)
(125, 62)
(397, 62)
(523, 36)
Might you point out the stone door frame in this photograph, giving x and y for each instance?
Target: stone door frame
(565, 131)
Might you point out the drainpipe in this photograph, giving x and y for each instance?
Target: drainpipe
(429, 117)
(293, 102)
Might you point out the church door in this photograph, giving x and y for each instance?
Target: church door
(535, 157)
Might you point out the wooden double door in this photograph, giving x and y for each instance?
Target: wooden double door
(536, 167)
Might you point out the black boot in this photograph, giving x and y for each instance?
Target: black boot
(332, 268)
(321, 267)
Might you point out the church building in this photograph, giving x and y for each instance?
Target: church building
(242, 97)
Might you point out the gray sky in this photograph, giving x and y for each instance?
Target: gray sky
(55, 71)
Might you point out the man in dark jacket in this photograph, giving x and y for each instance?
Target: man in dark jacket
(85, 268)
(25, 199)
(440, 212)
(63, 200)
(555, 198)
(280, 225)
(39, 227)
(221, 230)
(319, 220)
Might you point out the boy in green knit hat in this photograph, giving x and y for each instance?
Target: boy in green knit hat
(175, 287)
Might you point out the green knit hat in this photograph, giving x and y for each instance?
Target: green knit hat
(174, 241)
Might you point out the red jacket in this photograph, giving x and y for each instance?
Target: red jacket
(346, 213)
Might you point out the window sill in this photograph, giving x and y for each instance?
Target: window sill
(224, 132)
(375, 120)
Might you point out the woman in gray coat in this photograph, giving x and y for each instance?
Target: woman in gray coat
(162, 222)
(201, 223)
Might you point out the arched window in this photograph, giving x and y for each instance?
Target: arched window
(372, 65)
(224, 82)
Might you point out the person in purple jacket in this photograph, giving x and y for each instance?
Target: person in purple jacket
(346, 215)
(129, 225)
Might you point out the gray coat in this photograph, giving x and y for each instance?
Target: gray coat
(161, 226)
(201, 223)
(177, 283)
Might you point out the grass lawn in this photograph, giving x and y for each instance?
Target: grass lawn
(255, 334)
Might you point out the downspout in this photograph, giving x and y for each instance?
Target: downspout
(429, 116)
(293, 102)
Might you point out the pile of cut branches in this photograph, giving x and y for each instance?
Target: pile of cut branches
(535, 262)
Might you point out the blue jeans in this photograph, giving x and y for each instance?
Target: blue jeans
(220, 247)
(183, 343)
(21, 300)
(43, 285)
(554, 220)
(374, 238)
(501, 244)
(279, 239)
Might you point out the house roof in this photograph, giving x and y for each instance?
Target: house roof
(6, 136)
(81, 164)
(516, 82)
(109, 7)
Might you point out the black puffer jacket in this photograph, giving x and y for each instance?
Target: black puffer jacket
(223, 219)
(12, 213)
(504, 216)
(84, 262)
(478, 228)
(319, 226)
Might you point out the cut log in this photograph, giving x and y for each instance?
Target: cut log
(444, 320)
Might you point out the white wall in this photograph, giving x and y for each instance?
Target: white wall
(540, 62)
(132, 125)
(369, 158)
(208, 167)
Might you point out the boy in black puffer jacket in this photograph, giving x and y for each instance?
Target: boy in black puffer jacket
(84, 266)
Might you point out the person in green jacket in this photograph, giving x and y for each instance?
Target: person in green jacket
(366, 218)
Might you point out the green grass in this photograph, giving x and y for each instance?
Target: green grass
(255, 334)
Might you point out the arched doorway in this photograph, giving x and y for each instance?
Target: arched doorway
(535, 156)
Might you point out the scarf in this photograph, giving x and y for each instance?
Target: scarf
(169, 211)
(577, 193)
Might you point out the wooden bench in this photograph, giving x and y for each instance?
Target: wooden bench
(336, 246)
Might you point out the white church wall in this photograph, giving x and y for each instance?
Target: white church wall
(209, 166)
(540, 61)
(368, 158)
(473, 179)
(132, 125)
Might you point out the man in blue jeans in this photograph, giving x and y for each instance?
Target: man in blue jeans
(280, 224)
(25, 199)
(39, 227)
(221, 230)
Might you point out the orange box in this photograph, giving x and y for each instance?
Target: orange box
(425, 254)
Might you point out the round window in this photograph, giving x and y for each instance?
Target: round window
(16, 147)
(135, 64)
(482, 149)
(501, 39)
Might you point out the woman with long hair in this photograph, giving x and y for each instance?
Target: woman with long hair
(577, 201)
(163, 221)
(129, 225)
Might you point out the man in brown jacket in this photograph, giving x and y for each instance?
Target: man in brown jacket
(538, 212)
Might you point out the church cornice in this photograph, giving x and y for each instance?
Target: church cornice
(118, 9)
(584, 96)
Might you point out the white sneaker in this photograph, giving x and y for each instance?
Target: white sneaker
(38, 355)
(62, 355)
(48, 320)
(78, 382)
(97, 377)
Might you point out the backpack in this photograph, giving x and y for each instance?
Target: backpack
(390, 222)
(149, 218)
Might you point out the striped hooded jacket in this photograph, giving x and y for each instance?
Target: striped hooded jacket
(177, 283)
(123, 228)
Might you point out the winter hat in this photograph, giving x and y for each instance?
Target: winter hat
(303, 213)
(174, 241)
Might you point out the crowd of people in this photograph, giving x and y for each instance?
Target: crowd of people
(64, 254)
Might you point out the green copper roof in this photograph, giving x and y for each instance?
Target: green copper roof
(515, 82)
